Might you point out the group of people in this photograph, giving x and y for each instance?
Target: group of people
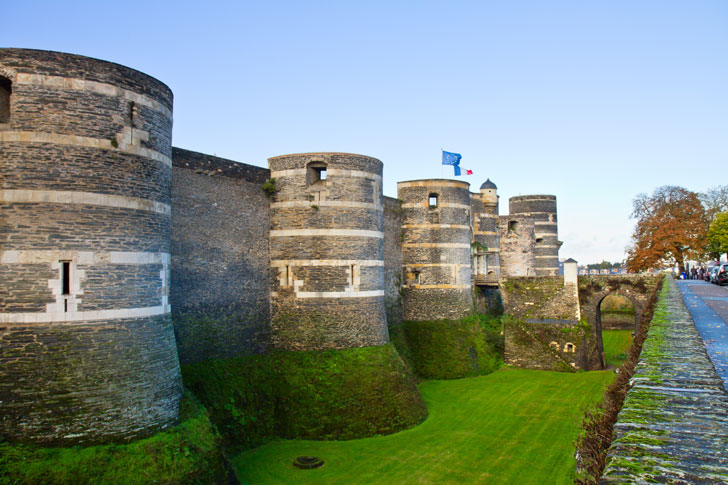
(696, 273)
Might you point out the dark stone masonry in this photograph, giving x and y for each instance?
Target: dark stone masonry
(220, 288)
(87, 351)
(123, 257)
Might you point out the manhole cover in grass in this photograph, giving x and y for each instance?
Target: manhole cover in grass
(308, 462)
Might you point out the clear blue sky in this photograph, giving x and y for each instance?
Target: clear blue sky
(592, 101)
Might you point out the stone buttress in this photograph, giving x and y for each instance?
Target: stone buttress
(87, 350)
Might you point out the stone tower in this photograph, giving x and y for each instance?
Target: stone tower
(326, 251)
(436, 249)
(87, 350)
(542, 210)
(486, 247)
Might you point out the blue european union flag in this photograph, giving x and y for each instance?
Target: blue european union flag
(449, 158)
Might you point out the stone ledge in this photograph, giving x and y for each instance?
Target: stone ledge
(673, 427)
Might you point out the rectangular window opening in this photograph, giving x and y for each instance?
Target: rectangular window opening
(416, 274)
(5, 90)
(322, 174)
(65, 277)
(433, 200)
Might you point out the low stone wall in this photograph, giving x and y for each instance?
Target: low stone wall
(673, 427)
(544, 297)
(558, 346)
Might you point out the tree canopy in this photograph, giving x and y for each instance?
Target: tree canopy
(715, 200)
(672, 227)
(718, 235)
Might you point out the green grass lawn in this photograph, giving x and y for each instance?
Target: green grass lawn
(616, 346)
(512, 426)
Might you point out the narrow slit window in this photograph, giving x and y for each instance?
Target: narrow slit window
(65, 277)
(5, 90)
(288, 276)
(416, 275)
(352, 268)
(433, 200)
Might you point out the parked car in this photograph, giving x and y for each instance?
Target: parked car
(721, 277)
(712, 271)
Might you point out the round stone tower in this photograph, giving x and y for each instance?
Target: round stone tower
(326, 247)
(436, 249)
(87, 350)
(486, 261)
(542, 210)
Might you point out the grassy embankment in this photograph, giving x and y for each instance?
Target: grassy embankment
(511, 426)
(616, 346)
(187, 453)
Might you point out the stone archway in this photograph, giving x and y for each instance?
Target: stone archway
(638, 289)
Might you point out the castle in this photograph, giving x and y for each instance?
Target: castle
(123, 257)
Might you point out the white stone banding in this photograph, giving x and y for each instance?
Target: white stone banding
(75, 84)
(426, 205)
(327, 232)
(81, 141)
(440, 287)
(326, 203)
(301, 172)
(340, 294)
(436, 226)
(437, 183)
(88, 198)
(66, 317)
(280, 263)
(83, 257)
(436, 265)
(436, 245)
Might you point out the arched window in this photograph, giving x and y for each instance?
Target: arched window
(569, 347)
(555, 346)
(6, 88)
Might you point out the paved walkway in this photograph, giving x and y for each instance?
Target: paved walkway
(708, 307)
(673, 427)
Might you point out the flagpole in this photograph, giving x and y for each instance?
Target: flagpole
(442, 167)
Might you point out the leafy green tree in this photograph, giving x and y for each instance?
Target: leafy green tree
(672, 227)
(718, 235)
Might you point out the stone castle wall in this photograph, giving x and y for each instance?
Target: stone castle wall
(87, 350)
(436, 249)
(327, 252)
(542, 210)
(220, 269)
(517, 246)
(393, 260)
(108, 230)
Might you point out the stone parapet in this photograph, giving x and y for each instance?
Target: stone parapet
(673, 427)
